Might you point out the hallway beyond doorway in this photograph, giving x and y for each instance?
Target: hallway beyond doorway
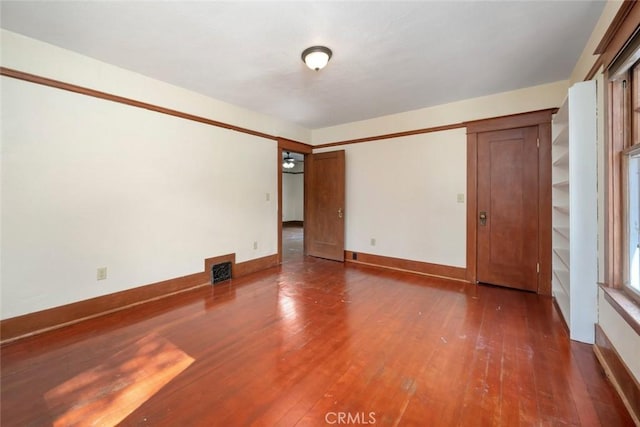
(292, 242)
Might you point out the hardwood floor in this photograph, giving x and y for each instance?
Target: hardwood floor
(292, 243)
(312, 343)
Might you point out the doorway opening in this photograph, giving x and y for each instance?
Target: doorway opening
(292, 206)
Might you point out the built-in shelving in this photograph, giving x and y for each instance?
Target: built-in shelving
(574, 215)
(563, 231)
(563, 136)
(563, 160)
(564, 185)
(563, 209)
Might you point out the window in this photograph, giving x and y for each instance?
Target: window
(632, 276)
(625, 146)
(631, 186)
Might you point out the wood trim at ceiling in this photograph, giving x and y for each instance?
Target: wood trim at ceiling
(618, 373)
(295, 146)
(32, 78)
(614, 26)
(400, 264)
(594, 69)
(392, 135)
(623, 26)
(496, 123)
(542, 119)
(42, 321)
(511, 121)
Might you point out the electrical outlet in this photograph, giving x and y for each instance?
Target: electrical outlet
(373, 241)
(102, 273)
(460, 197)
(268, 196)
(255, 245)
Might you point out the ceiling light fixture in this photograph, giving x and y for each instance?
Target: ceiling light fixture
(288, 162)
(316, 57)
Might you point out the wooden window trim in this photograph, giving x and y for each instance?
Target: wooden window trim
(619, 127)
(624, 306)
(620, 31)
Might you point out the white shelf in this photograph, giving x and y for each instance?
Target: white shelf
(562, 278)
(562, 139)
(563, 160)
(563, 185)
(564, 257)
(563, 231)
(562, 208)
(574, 218)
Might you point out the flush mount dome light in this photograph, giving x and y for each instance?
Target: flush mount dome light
(316, 57)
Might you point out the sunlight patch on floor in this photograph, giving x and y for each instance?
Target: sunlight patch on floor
(108, 393)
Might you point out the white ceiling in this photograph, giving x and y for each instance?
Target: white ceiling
(388, 56)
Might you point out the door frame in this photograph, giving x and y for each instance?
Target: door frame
(297, 147)
(312, 213)
(542, 119)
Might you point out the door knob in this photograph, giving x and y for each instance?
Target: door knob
(483, 218)
(339, 212)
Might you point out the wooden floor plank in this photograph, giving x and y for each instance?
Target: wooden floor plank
(308, 342)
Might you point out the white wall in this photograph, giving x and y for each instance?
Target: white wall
(292, 197)
(524, 100)
(46, 60)
(403, 193)
(89, 183)
(624, 339)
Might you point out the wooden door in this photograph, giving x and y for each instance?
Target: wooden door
(324, 205)
(508, 208)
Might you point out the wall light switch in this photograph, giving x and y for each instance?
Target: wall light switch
(268, 197)
(102, 273)
(255, 245)
(460, 197)
(373, 241)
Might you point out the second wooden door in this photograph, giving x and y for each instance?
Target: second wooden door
(508, 208)
(324, 205)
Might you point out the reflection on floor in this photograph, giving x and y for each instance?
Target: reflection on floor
(108, 393)
(310, 343)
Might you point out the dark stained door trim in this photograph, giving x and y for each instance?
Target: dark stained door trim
(286, 145)
(507, 189)
(542, 119)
